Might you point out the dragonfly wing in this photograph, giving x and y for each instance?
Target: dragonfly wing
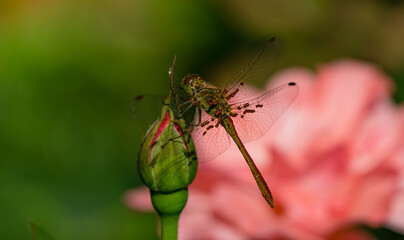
(257, 115)
(210, 141)
(146, 108)
(260, 68)
(241, 92)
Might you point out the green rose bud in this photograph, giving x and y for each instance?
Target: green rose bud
(167, 164)
(167, 159)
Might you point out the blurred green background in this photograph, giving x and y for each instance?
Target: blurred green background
(69, 70)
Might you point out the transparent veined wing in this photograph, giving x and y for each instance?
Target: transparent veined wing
(210, 138)
(146, 108)
(255, 116)
(259, 69)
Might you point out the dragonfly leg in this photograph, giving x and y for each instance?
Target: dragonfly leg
(186, 102)
(169, 140)
(171, 107)
(193, 125)
(177, 137)
(188, 107)
(199, 116)
(182, 98)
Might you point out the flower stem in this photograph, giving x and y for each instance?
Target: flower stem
(169, 207)
(169, 226)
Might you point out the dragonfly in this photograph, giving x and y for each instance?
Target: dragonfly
(236, 111)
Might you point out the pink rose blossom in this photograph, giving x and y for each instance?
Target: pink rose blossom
(335, 159)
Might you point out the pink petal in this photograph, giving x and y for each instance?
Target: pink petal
(296, 122)
(242, 207)
(345, 91)
(377, 138)
(139, 199)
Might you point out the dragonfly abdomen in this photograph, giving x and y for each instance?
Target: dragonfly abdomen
(228, 124)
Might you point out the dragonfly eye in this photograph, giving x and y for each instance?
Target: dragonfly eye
(186, 80)
(190, 79)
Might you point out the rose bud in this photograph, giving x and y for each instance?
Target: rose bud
(167, 159)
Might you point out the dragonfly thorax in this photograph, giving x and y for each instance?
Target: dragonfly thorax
(192, 84)
(213, 102)
(207, 97)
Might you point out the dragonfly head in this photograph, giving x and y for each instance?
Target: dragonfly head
(192, 83)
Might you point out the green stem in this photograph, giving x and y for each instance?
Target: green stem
(169, 207)
(169, 226)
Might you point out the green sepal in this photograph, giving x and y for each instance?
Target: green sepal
(169, 207)
(169, 203)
